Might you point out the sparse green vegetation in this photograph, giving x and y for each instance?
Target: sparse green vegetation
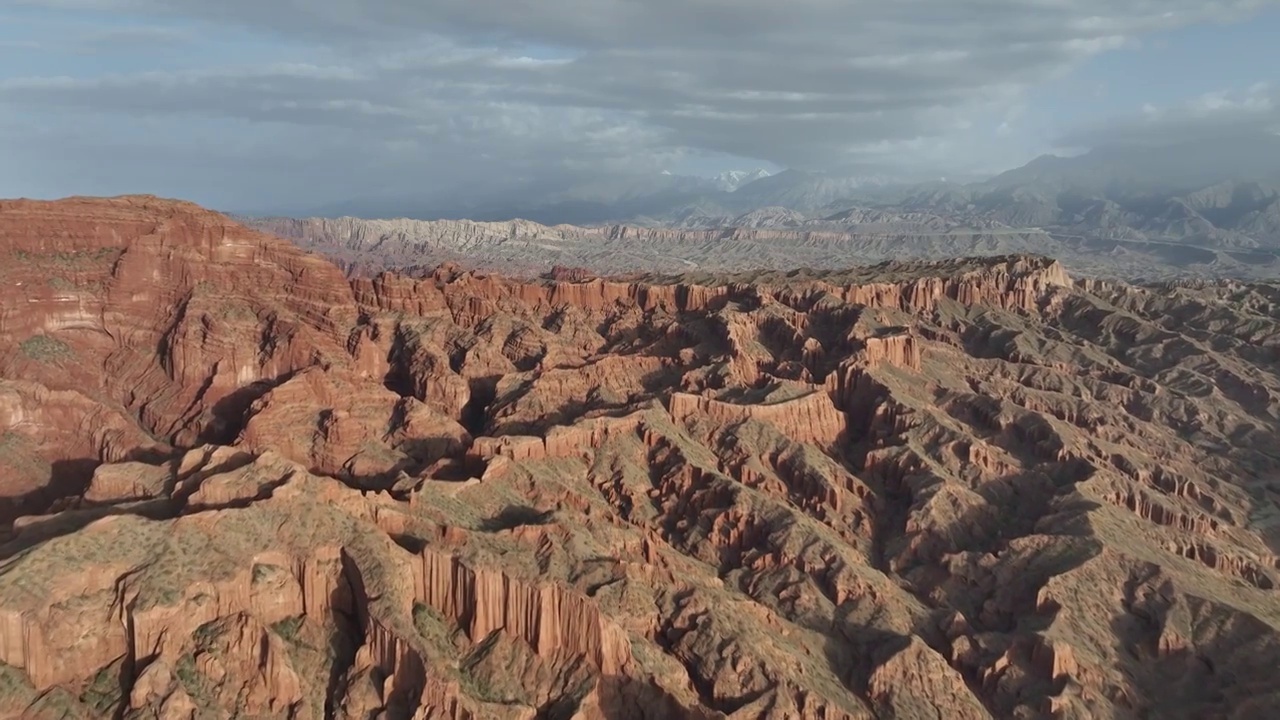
(478, 688)
(57, 703)
(237, 310)
(207, 634)
(192, 681)
(288, 629)
(440, 638)
(263, 573)
(186, 671)
(104, 694)
(474, 684)
(166, 597)
(432, 627)
(14, 683)
(9, 442)
(43, 348)
(19, 455)
(62, 284)
(69, 259)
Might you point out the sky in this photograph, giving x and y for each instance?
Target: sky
(283, 106)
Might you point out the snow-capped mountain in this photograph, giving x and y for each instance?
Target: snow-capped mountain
(731, 180)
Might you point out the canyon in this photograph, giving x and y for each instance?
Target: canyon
(239, 480)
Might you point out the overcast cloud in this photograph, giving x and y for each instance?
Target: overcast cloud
(346, 99)
(1232, 112)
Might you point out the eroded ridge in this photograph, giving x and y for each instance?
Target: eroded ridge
(239, 485)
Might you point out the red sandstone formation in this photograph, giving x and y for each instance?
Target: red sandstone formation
(237, 485)
(811, 418)
(355, 430)
(561, 273)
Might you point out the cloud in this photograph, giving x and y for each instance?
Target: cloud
(109, 39)
(606, 24)
(1220, 114)
(479, 89)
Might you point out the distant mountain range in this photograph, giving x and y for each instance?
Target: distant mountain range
(1223, 194)
(651, 199)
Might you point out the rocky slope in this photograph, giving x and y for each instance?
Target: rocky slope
(241, 486)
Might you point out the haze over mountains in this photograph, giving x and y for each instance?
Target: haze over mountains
(1204, 208)
(1134, 179)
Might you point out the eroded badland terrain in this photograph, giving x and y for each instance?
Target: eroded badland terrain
(237, 484)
